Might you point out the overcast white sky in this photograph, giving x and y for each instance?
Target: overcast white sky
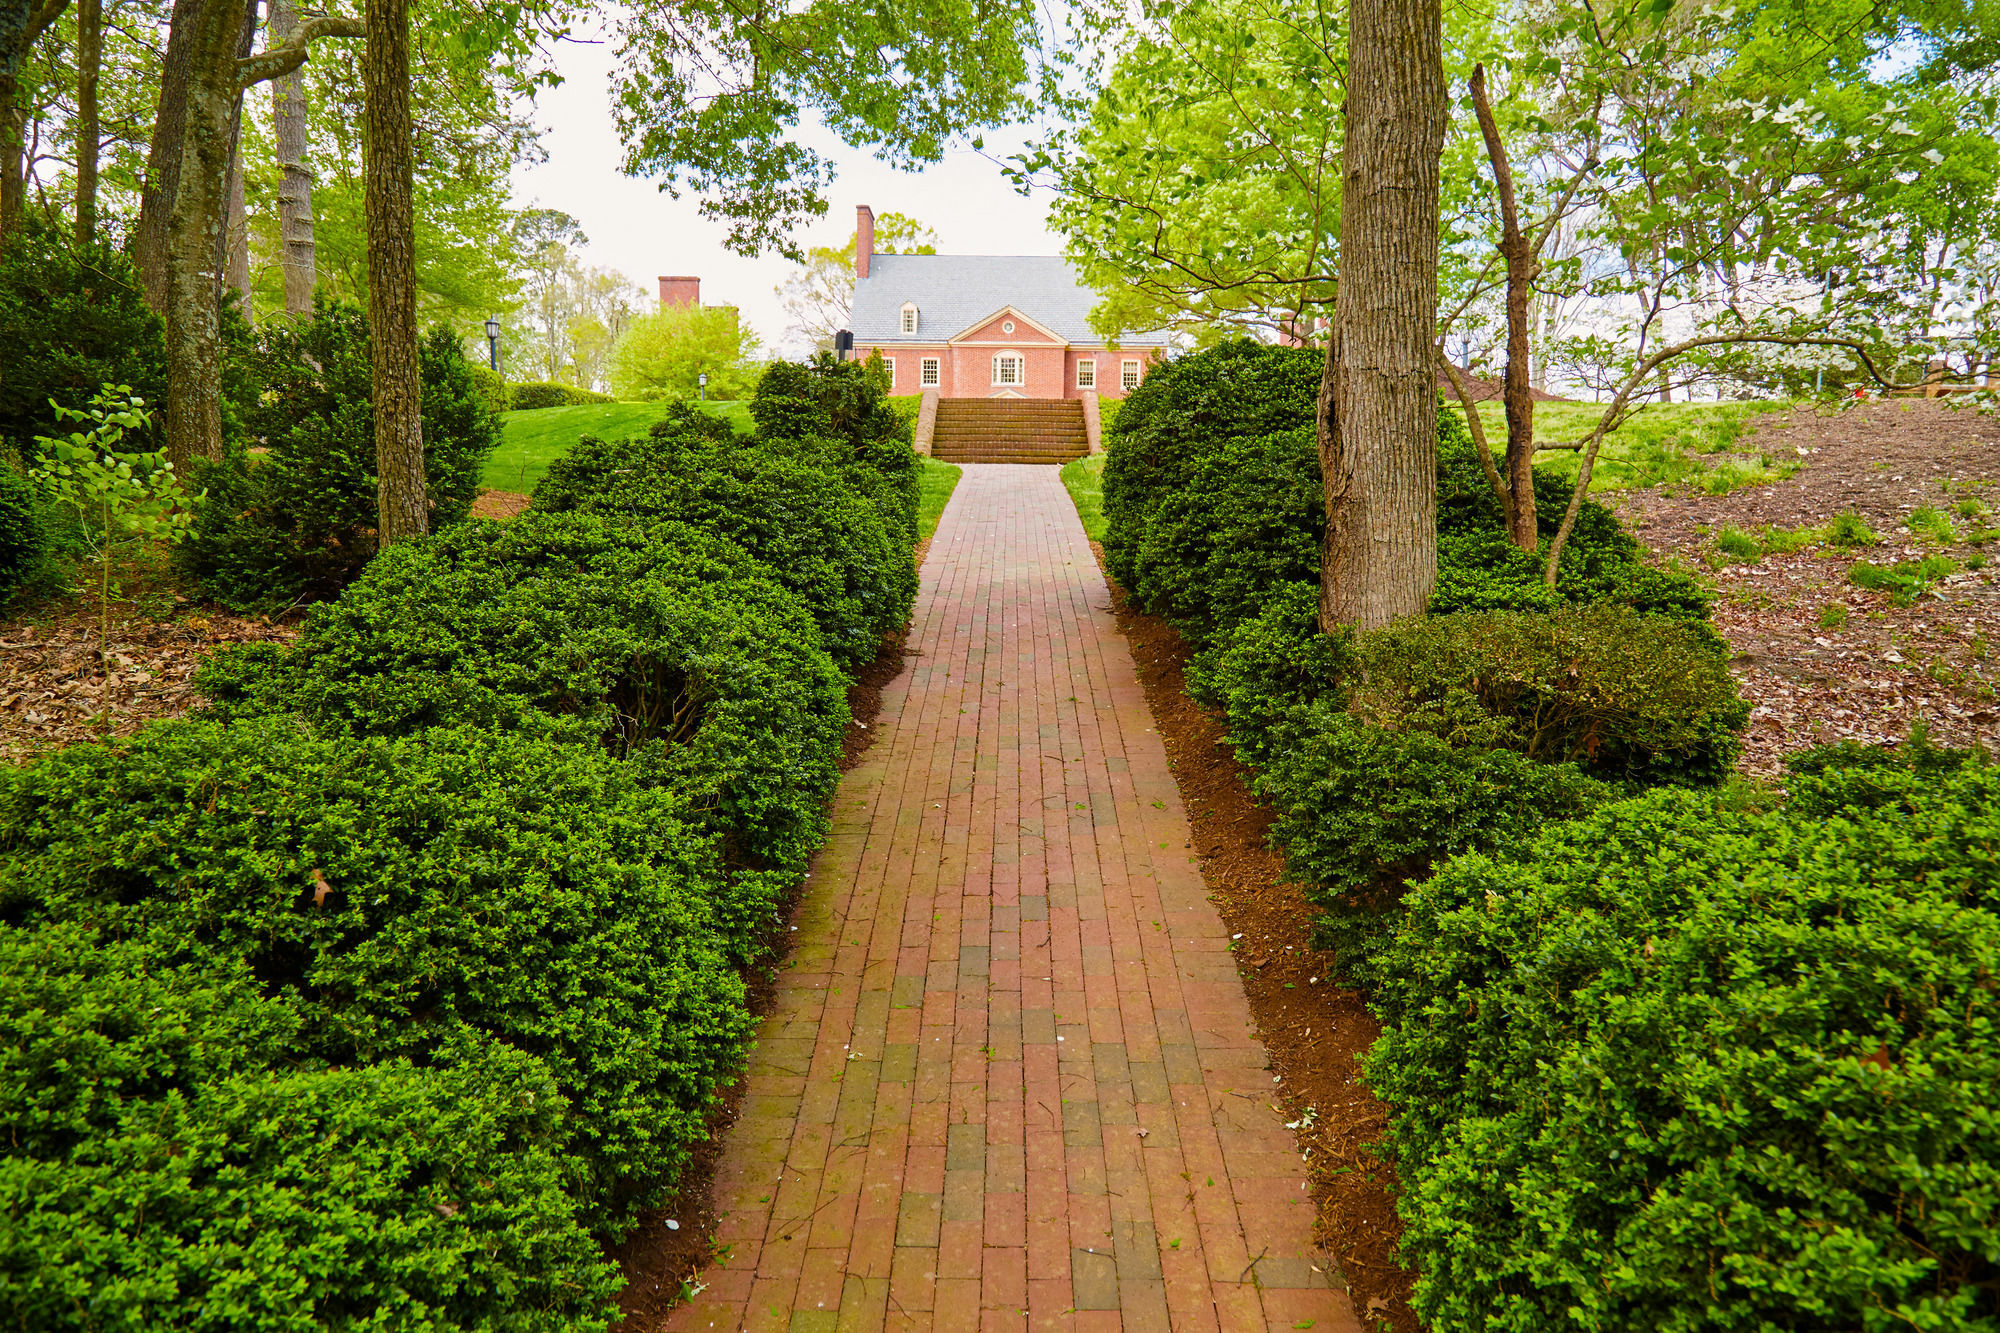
(635, 228)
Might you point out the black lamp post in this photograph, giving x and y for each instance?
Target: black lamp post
(493, 342)
(702, 380)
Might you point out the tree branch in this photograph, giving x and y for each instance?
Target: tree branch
(282, 60)
(1616, 413)
(1478, 429)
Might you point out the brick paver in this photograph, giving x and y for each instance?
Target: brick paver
(1010, 1079)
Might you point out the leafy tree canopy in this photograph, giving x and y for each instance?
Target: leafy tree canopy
(709, 95)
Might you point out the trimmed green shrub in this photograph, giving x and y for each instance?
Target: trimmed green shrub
(1185, 409)
(1678, 1067)
(160, 1171)
(1480, 570)
(664, 642)
(1642, 699)
(299, 523)
(1385, 752)
(1268, 667)
(1211, 514)
(839, 413)
(1360, 803)
(685, 419)
(528, 397)
(403, 896)
(1249, 517)
(492, 388)
(813, 533)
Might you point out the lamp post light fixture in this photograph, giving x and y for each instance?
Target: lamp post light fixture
(702, 380)
(493, 342)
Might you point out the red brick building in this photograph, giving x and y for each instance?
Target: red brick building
(987, 326)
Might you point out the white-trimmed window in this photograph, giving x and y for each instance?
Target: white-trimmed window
(928, 377)
(1128, 376)
(909, 317)
(890, 362)
(1086, 374)
(1010, 368)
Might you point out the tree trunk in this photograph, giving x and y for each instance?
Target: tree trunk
(22, 23)
(295, 214)
(89, 61)
(1517, 396)
(402, 504)
(196, 232)
(164, 155)
(236, 268)
(1378, 396)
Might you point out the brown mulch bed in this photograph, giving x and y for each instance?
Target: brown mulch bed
(56, 688)
(1887, 668)
(1314, 1030)
(501, 505)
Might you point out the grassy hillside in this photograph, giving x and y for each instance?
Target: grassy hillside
(1702, 445)
(530, 441)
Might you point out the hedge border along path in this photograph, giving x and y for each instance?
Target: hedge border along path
(1010, 1079)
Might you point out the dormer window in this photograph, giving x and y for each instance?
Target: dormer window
(909, 317)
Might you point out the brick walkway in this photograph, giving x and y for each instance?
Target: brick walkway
(1010, 1081)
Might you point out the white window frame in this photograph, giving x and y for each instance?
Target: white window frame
(909, 319)
(1007, 364)
(1086, 373)
(890, 362)
(1129, 375)
(930, 373)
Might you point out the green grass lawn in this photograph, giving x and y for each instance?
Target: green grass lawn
(1085, 480)
(1700, 445)
(936, 483)
(530, 441)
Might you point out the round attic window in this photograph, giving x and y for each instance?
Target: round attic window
(1006, 326)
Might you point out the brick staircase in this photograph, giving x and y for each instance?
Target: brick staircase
(1009, 430)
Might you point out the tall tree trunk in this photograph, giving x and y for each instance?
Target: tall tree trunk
(295, 213)
(1517, 396)
(197, 227)
(402, 504)
(1378, 396)
(89, 61)
(22, 23)
(236, 268)
(164, 155)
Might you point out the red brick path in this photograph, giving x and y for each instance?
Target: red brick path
(1010, 1080)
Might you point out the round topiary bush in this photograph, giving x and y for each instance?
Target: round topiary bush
(814, 534)
(1186, 408)
(1678, 1067)
(166, 1166)
(663, 642)
(841, 413)
(403, 897)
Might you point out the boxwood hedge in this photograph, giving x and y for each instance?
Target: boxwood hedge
(406, 896)
(661, 641)
(1212, 500)
(814, 533)
(1685, 1068)
(165, 1164)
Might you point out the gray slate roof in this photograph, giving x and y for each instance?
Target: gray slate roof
(952, 292)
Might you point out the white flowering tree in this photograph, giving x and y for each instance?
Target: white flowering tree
(1758, 192)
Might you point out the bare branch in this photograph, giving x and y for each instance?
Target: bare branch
(1616, 413)
(1474, 424)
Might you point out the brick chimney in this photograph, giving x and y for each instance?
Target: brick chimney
(680, 291)
(864, 239)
